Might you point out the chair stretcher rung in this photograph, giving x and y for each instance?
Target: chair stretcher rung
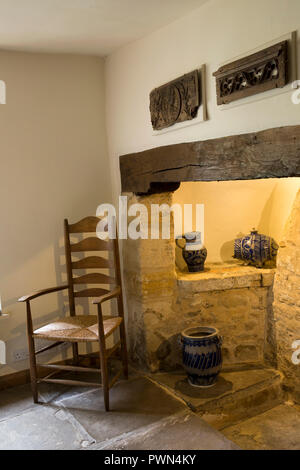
(115, 378)
(54, 345)
(70, 382)
(111, 350)
(55, 372)
(72, 368)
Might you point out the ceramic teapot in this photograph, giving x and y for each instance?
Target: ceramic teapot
(194, 252)
(255, 249)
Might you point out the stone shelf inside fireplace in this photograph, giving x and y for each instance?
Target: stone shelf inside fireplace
(225, 276)
(234, 298)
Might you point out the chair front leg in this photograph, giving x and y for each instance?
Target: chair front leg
(103, 358)
(32, 358)
(123, 338)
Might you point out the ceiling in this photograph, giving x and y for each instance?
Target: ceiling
(84, 26)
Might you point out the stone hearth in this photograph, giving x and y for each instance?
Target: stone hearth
(236, 299)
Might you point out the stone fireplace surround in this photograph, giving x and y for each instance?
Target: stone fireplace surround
(256, 310)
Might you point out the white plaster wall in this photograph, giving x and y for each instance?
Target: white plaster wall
(217, 32)
(53, 165)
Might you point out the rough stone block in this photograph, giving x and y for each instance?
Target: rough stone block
(287, 300)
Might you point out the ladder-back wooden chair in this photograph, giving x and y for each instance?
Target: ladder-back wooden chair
(82, 328)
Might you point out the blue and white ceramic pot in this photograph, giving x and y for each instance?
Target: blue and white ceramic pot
(256, 249)
(194, 252)
(202, 355)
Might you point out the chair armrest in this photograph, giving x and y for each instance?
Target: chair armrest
(26, 298)
(114, 293)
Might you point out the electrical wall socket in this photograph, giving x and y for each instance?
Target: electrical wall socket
(2, 352)
(20, 355)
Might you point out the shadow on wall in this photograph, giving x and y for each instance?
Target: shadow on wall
(59, 303)
(227, 249)
(286, 301)
(263, 226)
(265, 222)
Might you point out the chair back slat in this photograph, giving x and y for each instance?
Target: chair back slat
(91, 283)
(92, 262)
(91, 292)
(88, 224)
(94, 278)
(91, 244)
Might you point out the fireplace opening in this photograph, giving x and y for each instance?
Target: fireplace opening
(243, 182)
(232, 209)
(255, 309)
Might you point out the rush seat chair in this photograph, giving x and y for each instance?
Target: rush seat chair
(83, 328)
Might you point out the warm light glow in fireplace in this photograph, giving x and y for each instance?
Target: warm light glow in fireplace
(232, 208)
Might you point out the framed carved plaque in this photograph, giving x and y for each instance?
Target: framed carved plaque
(256, 73)
(176, 101)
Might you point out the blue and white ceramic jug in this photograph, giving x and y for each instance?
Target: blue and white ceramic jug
(194, 252)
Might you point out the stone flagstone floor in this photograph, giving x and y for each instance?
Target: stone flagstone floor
(146, 414)
(143, 416)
